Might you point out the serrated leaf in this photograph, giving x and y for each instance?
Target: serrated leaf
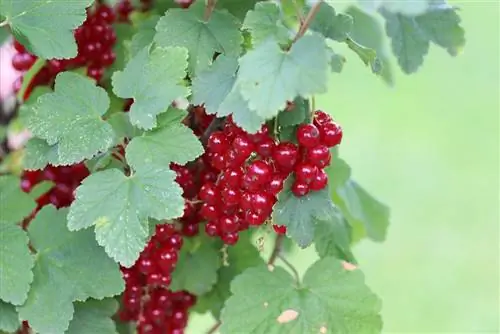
(119, 207)
(409, 8)
(153, 79)
(269, 77)
(18, 204)
(37, 154)
(187, 28)
(9, 321)
(122, 126)
(330, 24)
(216, 89)
(237, 8)
(46, 27)
(173, 142)
(144, 35)
(93, 316)
(196, 270)
(366, 54)
(297, 115)
(69, 266)
(411, 36)
(333, 238)
(71, 118)
(330, 299)
(300, 214)
(124, 34)
(16, 263)
(362, 208)
(265, 22)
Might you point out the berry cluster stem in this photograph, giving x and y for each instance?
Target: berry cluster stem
(214, 328)
(308, 20)
(4, 23)
(209, 8)
(278, 244)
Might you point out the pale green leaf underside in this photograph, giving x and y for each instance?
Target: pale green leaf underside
(186, 28)
(37, 154)
(9, 321)
(16, 263)
(331, 300)
(300, 214)
(119, 207)
(172, 143)
(330, 24)
(264, 22)
(94, 316)
(269, 77)
(154, 80)
(333, 238)
(71, 118)
(14, 203)
(46, 27)
(196, 271)
(69, 266)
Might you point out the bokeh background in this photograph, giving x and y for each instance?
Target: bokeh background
(429, 148)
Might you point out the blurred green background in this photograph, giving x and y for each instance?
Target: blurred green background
(429, 149)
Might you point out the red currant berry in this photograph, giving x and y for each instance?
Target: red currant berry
(276, 184)
(230, 196)
(262, 202)
(279, 229)
(23, 61)
(300, 189)
(285, 155)
(243, 145)
(320, 118)
(164, 231)
(146, 266)
(228, 224)
(209, 212)
(232, 177)
(212, 229)
(331, 134)
(254, 218)
(246, 201)
(305, 172)
(218, 143)
(190, 230)
(166, 259)
(308, 135)
(260, 136)
(174, 242)
(219, 161)
(209, 193)
(19, 47)
(230, 238)
(259, 172)
(319, 156)
(105, 13)
(95, 72)
(266, 147)
(320, 181)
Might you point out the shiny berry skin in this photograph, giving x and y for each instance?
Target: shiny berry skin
(23, 61)
(246, 201)
(266, 147)
(259, 172)
(212, 229)
(279, 229)
(209, 212)
(262, 203)
(105, 13)
(254, 218)
(209, 193)
(164, 231)
(320, 181)
(260, 136)
(166, 259)
(331, 134)
(95, 72)
(146, 266)
(218, 143)
(276, 184)
(232, 177)
(19, 47)
(300, 189)
(230, 238)
(243, 145)
(319, 156)
(230, 196)
(175, 241)
(190, 230)
(308, 135)
(305, 172)
(285, 155)
(320, 118)
(219, 161)
(228, 224)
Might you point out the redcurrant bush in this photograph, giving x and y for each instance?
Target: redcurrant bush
(177, 153)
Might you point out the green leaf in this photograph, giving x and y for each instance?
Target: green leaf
(124, 34)
(361, 207)
(329, 300)
(264, 22)
(37, 154)
(26, 107)
(153, 79)
(94, 316)
(173, 142)
(333, 238)
(187, 28)
(71, 118)
(41, 188)
(411, 36)
(9, 321)
(28, 77)
(237, 8)
(119, 207)
(144, 36)
(240, 257)
(367, 55)
(19, 204)
(297, 115)
(196, 270)
(330, 24)
(122, 126)
(368, 31)
(337, 61)
(16, 263)
(216, 89)
(69, 266)
(46, 27)
(300, 214)
(269, 77)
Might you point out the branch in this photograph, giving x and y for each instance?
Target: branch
(4, 23)
(209, 8)
(278, 243)
(291, 267)
(308, 20)
(214, 328)
(298, 11)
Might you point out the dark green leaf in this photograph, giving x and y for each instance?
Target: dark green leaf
(94, 316)
(265, 22)
(9, 320)
(330, 24)
(333, 238)
(18, 204)
(297, 115)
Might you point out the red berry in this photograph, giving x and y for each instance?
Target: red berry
(320, 118)
(230, 238)
(276, 184)
(107, 58)
(300, 189)
(260, 136)
(23, 61)
(212, 229)
(19, 47)
(166, 259)
(190, 230)
(105, 13)
(246, 201)
(209, 212)
(319, 156)
(235, 159)
(95, 72)
(230, 196)
(266, 147)
(279, 229)
(308, 135)
(305, 172)
(254, 218)
(218, 143)
(228, 224)
(209, 193)
(262, 202)
(146, 266)
(232, 177)
(331, 134)
(174, 242)
(259, 172)
(285, 155)
(242, 145)
(219, 161)
(55, 66)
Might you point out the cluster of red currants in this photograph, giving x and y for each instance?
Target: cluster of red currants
(147, 299)
(252, 170)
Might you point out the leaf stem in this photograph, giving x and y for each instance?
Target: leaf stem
(28, 77)
(214, 328)
(278, 244)
(4, 23)
(291, 267)
(298, 11)
(209, 8)
(308, 20)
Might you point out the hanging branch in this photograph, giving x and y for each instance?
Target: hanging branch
(308, 20)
